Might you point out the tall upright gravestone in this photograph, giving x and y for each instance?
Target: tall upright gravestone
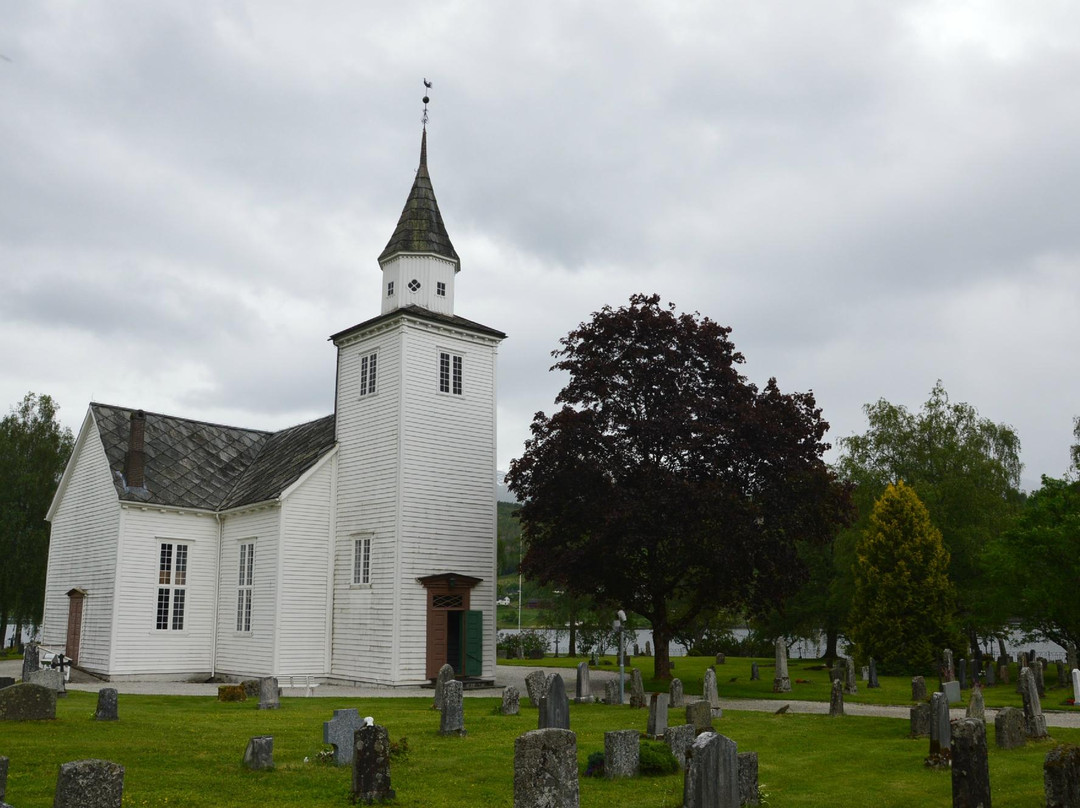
(637, 690)
(31, 660)
(340, 732)
(940, 736)
(371, 765)
(658, 715)
(711, 694)
(676, 693)
(545, 769)
(452, 717)
(851, 687)
(446, 673)
(583, 690)
(554, 706)
(1061, 776)
(712, 774)
(970, 765)
(781, 680)
(836, 701)
(1034, 719)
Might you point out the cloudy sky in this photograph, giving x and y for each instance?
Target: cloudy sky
(873, 195)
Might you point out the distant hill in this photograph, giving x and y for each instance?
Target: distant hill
(503, 494)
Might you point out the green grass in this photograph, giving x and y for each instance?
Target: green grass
(187, 751)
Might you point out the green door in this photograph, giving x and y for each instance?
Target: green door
(474, 643)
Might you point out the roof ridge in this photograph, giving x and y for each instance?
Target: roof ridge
(182, 418)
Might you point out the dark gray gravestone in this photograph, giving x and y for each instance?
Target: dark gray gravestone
(637, 690)
(1060, 666)
(970, 765)
(26, 702)
(648, 648)
(1003, 674)
(948, 672)
(452, 720)
(712, 775)
(446, 673)
(837, 672)
(748, 779)
(679, 739)
(535, 685)
(1040, 682)
(545, 769)
(699, 716)
(259, 754)
(622, 753)
(918, 688)
(611, 692)
(582, 688)
(250, 688)
(340, 732)
(939, 724)
(555, 706)
(676, 693)
(976, 706)
(89, 784)
(873, 682)
(371, 765)
(1034, 719)
(851, 687)
(106, 705)
(3, 778)
(1010, 731)
(755, 674)
(31, 660)
(721, 659)
(658, 710)
(51, 678)
(1061, 776)
(511, 701)
(6, 681)
(710, 693)
(962, 676)
(836, 701)
(920, 721)
(991, 674)
(268, 693)
(781, 681)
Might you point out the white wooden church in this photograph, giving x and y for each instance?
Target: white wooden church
(359, 547)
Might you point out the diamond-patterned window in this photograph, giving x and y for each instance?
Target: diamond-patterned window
(447, 601)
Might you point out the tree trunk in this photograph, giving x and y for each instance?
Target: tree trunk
(572, 650)
(1001, 647)
(3, 627)
(662, 658)
(973, 642)
(832, 637)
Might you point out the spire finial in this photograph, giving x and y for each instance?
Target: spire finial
(427, 86)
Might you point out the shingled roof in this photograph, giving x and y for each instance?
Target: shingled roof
(420, 228)
(423, 314)
(194, 464)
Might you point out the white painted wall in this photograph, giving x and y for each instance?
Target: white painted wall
(428, 270)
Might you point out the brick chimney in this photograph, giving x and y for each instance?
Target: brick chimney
(135, 461)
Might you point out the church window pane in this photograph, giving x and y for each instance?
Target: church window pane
(362, 560)
(245, 582)
(440, 289)
(367, 374)
(390, 289)
(450, 373)
(172, 582)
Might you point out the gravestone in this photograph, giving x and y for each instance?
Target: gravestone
(970, 765)
(621, 753)
(611, 692)
(755, 674)
(31, 660)
(6, 681)
(648, 648)
(27, 702)
(555, 706)
(873, 682)
(1060, 673)
(837, 672)
(720, 659)
(545, 769)
(452, 718)
(535, 685)
(259, 754)
(679, 739)
(920, 721)
(851, 687)
(781, 682)
(976, 706)
(918, 688)
(836, 701)
(106, 705)
(1061, 776)
(940, 736)
(951, 690)
(1003, 674)
(51, 678)
(991, 674)
(676, 693)
(748, 779)
(510, 701)
(864, 673)
(962, 675)
(699, 716)
(710, 693)
(658, 710)
(712, 775)
(1076, 685)
(268, 693)
(251, 688)
(3, 779)
(340, 732)
(371, 765)
(1034, 720)
(231, 693)
(948, 672)
(446, 673)
(637, 690)
(637, 650)
(1070, 657)
(582, 690)
(1010, 731)
(89, 784)
(1040, 681)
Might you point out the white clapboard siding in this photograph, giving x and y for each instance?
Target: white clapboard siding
(82, 551)
(428, 271)
(306, 542)
(249, 653)
(140, 647)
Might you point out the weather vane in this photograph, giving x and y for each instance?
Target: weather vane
(427, 86)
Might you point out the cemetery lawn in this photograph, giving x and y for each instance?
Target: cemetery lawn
(183, 750)
(809, 681)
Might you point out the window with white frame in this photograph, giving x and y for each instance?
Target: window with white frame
(440, 289)
(367, 373)
(389, 288)
(172, 586)
(361, 560)
(244, 584)
(450, 373)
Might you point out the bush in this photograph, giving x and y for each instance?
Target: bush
(722, 641)
(594, 766)
(656, 759)
(530, 644)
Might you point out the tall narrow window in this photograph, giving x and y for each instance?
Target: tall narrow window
(172, 586)
(243, 590)
(367, 374)
(390, 289)
(362, 560)
(450, 373)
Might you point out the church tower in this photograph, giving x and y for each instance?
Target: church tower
(414, 572)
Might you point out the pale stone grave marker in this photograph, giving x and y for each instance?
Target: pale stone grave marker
(1034, 719)
(976, 705)
(545, 769)
(340, 732)
(676, 693)
(918, 688)
(679, 739)
(836, 701)
(583, 690)
(940, 737)
(1010, 731)
(371, 765)
(710, 693)
(31, 660)
(51, 678)
(510, 701)
(89, 784)
(621, 753)
(27, 702)
(637, 690)
(952, 691)
(851, 687)
(970, 765)
(748, 779)
(920, 721)
(268, 693)
(535, 685)
(699, 715)
(781, 681)
(452, 719)
(1076, 685)
(446, 673)
(611, 692)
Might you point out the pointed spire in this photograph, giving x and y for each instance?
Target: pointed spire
(420, 228)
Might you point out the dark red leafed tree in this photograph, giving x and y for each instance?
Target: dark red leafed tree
(666, 483)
